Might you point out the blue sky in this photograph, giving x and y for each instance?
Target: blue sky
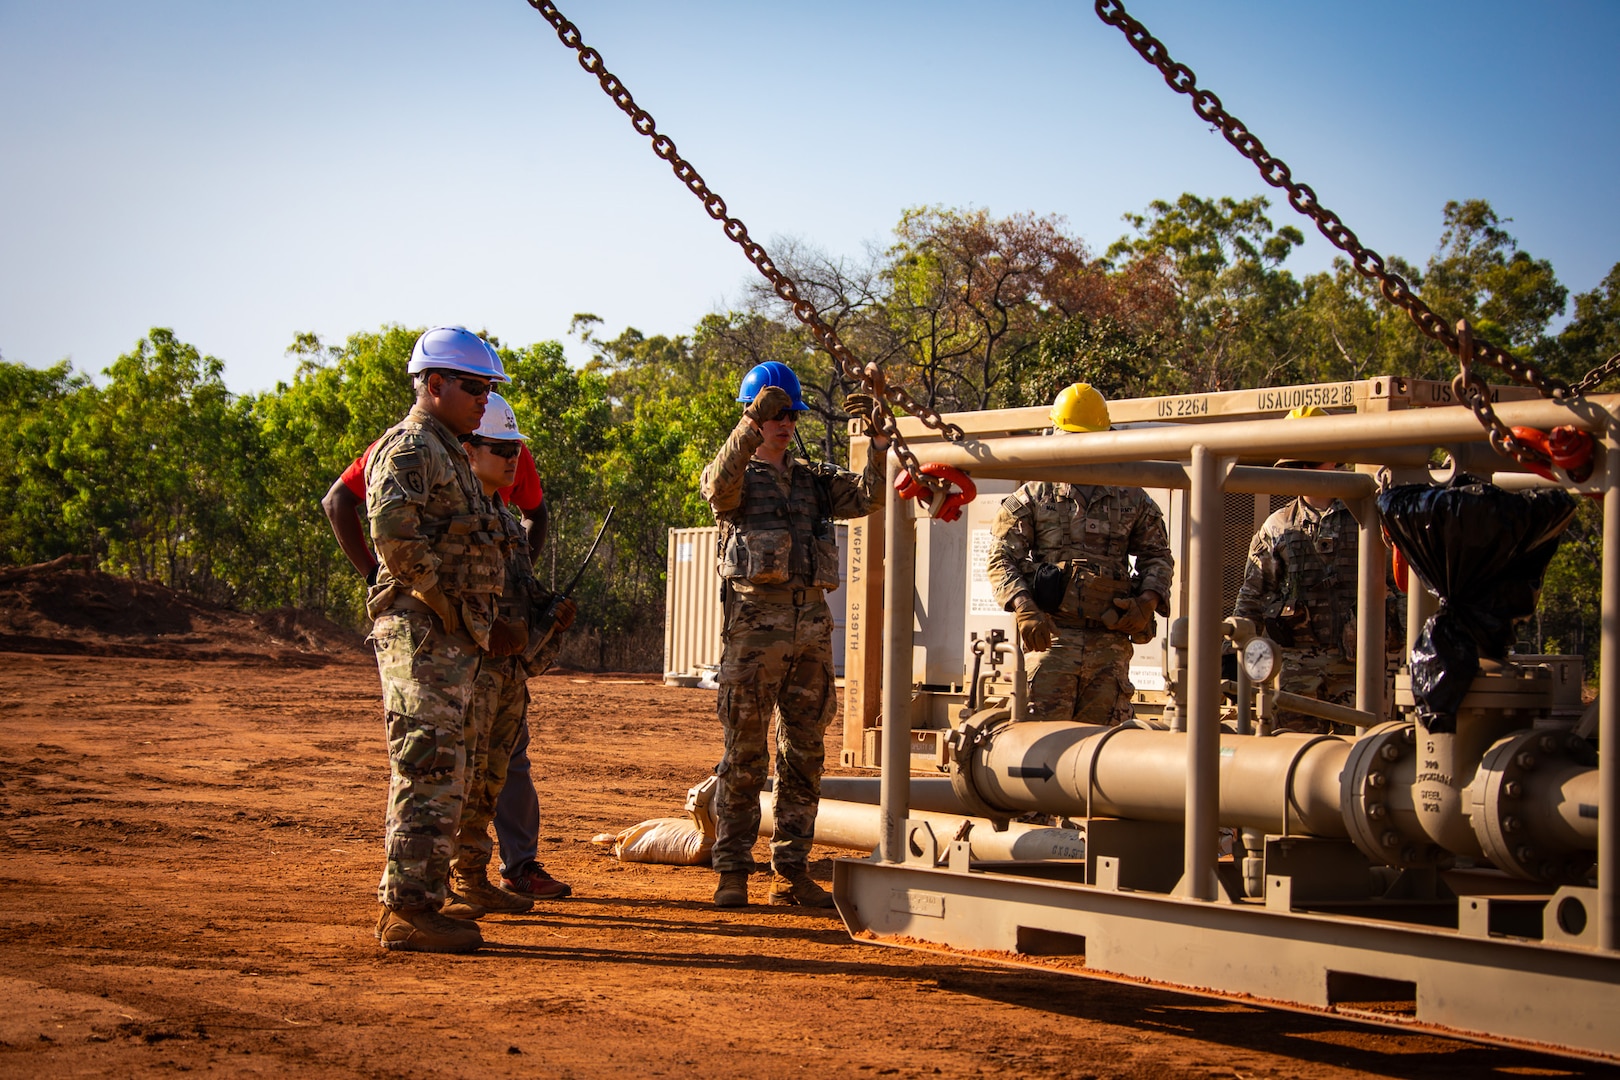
(242, 172)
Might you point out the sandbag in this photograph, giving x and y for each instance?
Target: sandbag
(673, 841)
(1483, 551)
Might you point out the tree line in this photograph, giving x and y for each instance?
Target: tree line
(156, 470)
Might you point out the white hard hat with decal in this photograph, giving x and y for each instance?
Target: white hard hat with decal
(500, 422)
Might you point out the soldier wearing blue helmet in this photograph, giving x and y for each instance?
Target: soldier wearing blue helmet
(777, 554)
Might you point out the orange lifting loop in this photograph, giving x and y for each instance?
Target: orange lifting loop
(1569, 448)
(944, 504)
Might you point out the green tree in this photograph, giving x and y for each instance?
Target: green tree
(1234, 321)
(1593, 335)
(1480, 274)
(1347, 330)
(35, 407)
(156, 463)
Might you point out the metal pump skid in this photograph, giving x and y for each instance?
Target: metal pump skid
(1463, 880)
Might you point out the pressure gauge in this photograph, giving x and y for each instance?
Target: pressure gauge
(1260, 659)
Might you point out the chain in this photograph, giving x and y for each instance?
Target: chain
(1472, 388)
(664, 147)
(1595, 378)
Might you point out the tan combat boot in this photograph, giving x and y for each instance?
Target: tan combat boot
(461, 908)
(478, 892)
(795, 887)
(425, 930)
(733, 889)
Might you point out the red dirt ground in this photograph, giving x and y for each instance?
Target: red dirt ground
(191, 814)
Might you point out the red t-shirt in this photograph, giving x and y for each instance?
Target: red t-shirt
(525, 492)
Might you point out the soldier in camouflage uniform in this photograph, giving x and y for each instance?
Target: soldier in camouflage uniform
(1060, 559)
(500, 700)
(778, 553)
(441, 549)
(1300, 584)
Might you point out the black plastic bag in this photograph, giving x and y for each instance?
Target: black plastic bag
(1483, 552)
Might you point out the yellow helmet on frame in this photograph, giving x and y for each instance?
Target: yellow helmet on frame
(1080, 408)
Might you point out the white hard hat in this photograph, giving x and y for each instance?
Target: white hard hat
(455, 348)
(500, 422)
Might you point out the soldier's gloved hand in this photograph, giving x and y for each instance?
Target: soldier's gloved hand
(442, 607)
(863, 407)
(1035, 628)
(768, 404)
(566, 610)
(1135, 612)
(508, 637)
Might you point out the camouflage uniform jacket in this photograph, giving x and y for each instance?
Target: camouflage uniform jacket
(775, 525)
(1044, 522)
(431, 523)
(1303, 560)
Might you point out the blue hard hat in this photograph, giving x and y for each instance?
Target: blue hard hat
(772, 373)
(455, 348)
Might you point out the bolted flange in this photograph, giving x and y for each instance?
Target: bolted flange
(1502, 822)
(1384, 831)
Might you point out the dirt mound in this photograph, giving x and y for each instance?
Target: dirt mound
(308, 630)
(58, 607)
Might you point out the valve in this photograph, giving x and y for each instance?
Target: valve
(944, 504)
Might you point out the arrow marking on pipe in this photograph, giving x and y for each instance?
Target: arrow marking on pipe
(1023, 772)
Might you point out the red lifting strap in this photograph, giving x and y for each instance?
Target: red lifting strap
(945, 504)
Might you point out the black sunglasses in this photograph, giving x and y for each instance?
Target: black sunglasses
(470, 385)
(501, 448)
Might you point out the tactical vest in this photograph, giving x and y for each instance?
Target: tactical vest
(776, 538)
(1319, 554)
(459, 526)
(472, 553)
(1098, 534)
(515, 594)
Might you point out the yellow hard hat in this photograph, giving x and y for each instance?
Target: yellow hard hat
(1301, 412)
(1080, 408)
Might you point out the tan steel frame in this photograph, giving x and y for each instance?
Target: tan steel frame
(1140, 909)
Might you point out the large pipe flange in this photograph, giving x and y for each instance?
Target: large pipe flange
(1506, 798)
(965, 743)
(1375, 794)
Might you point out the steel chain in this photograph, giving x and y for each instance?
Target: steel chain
(664, 147)
(1595, 378)
(1473, 389)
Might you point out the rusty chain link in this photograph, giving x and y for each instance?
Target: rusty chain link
(664, 147)
(1475, 391)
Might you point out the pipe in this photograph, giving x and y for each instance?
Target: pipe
(1324, 710)
(932, 794)
(1556, 796)
(856, 825)
(1200, 842)
(899, 581)
(1246, 479)
(1286, 783)
(1326, 437)
(1371, 557)
(1608, 799)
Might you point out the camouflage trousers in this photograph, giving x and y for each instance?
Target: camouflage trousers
(1084, 676)
(427, 684)
(500, 701)
(1315, 672)
(777, 662)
